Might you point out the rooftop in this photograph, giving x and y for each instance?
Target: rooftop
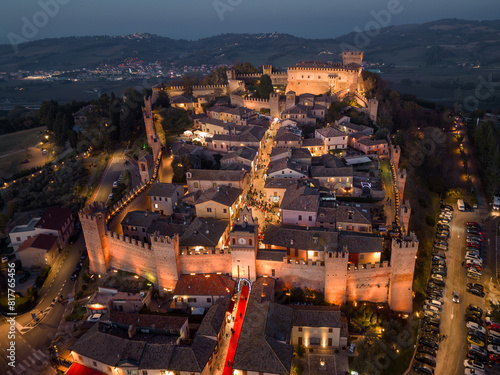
(225, 195)
(300, 237)
(140, 218)
(40, 241)
(217, 175)
(355, 242)
(54, 218)
(204, 285)
(330, 132)
(300, 198)
(204, 232)
(161, 189)
(162, 322)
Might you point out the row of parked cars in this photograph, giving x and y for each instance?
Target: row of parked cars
(428, 343)
(483, 339)
(473, 258)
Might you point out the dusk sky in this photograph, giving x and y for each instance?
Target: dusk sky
(194, 19)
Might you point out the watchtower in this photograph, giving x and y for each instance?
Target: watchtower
(93, 220)
(244, 244)
(352, 57)
(336, 276)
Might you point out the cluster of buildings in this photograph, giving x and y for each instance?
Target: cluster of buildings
(200, 241)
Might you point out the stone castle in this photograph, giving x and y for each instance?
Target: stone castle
(322, 262)
(306, 77)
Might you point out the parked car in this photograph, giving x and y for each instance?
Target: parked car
(470, 363)
(94, 318)
(426, 358)
(473, 223)
(493, 349)
(475, 341)
(427, 341)
(426, 350)
(469, 318)
(494, 358)
(470, 371)
(494, 327)
(475, 326)
(423, 368)
(476, 292)
(455, 297)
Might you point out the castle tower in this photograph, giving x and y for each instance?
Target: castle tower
(404, 215)
(274, 105)
(290, 99)
(403, 256)
(93, 220)
(244, 244)
(166, 258)
(267, 69)
(231, 74)
(336, 276)
(395, 155)
(401, 182)
(373, 109)
(352, 57)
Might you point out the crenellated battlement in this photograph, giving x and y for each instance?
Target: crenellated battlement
(257, 100)
(127, 239)
(158, 238)
(302, 262)
(369, 267)
(339, 69)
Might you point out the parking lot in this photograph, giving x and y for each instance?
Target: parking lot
(452, 339)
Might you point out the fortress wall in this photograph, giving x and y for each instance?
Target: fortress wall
(370, 284)
(205, 263)
(132, 256)
(301, 274)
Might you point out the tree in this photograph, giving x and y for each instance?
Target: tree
(244, 68)
(163, 99)
(180, 166)
(265, 87)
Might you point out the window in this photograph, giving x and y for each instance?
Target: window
(225, 210)
(94, 363)
(234, 241)
(191, 299)
(143, 229)
(159, 199)
(250, 242)
(156, 205)
(209, 299)
(154, 198)
(300, 340)
(18, 238)
(144, 372)
(209, 209)
(300, 329)
(282, 172)
(273, 272)
(310, 218)
(361, 256)
(300, 217)
(330, 330)
(214, 184)
(330, 342)
(196, 185)
(316, 254)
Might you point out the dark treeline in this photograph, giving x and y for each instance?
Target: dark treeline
(20, 118)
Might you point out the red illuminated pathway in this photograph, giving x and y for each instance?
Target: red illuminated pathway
(238, 322)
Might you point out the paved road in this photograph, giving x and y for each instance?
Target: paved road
(31, 353)
(115, 167)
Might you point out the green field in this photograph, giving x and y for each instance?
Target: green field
(14, 149)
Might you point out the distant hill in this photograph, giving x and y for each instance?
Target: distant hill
(439, 43)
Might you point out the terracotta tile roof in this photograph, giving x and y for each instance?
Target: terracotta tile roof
(140, 218)
(360, 243)
(204, 232)
(217, 175)
(204, 285)
(371, 142)
(299, 237)
(352, 214)
(54, 218)
(316, 316)
(321, 171)
(246, 153)
(311, 142)
(178, 99)
(302, 198)
(214, 318)
(280, 182)
(161, 322)
(40, 241)
(226, 195)
(284, 163)
(330, 132)
(264, 335)
(161, 189)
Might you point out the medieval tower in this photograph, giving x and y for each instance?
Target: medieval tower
(336, 276)
(403, 255)
(244, 244)
(93, 220)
